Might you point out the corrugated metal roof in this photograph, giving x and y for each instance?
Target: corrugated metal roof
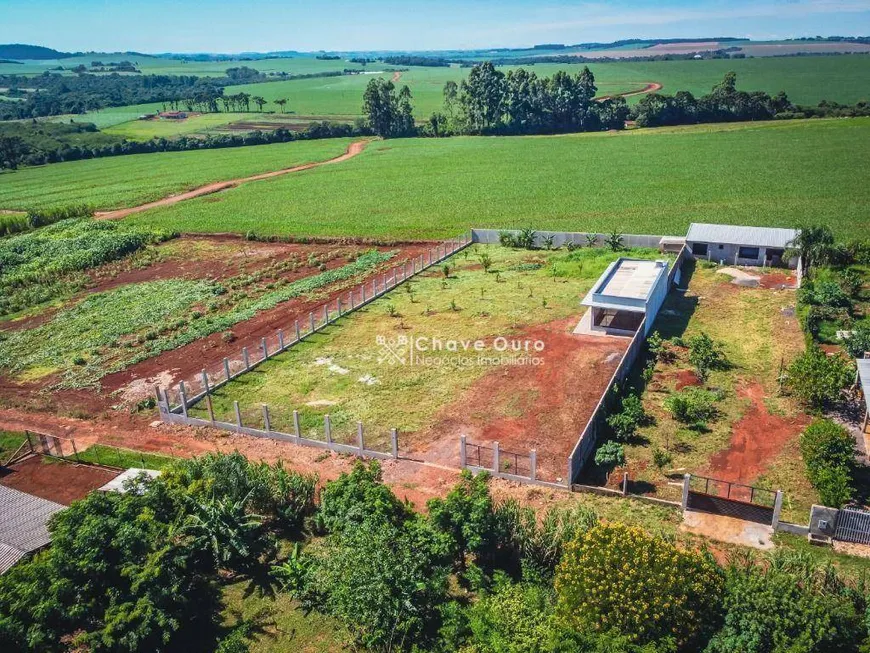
(740, 235)
(864, 378)
(23, 524)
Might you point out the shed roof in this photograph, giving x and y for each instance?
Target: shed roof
(23, 524)
(864, 378)
(740, 235)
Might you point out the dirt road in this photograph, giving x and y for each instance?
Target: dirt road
(651, 87)
(397, 76)
(352, 150)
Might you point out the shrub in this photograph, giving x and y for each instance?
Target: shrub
(692, 405)
(525, 239)
(818, 379)
(829, 453)
(358, 496)
(859, 341)
(619, 578)
(626, 422)
(827, 293)
(787, 605)
(610, 454)
(705, 355)
(485, 261)
(662, 458)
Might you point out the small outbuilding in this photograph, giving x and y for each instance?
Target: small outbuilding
(628, 291)
(23, 525)
(738, 245)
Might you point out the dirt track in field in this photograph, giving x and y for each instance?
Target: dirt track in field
(651, 87)
(397, 76)
(352, 150)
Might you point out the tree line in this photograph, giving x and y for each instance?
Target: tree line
(149, 570)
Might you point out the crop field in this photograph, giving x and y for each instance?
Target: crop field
(764, 174)
(753, 436)
(160, 298)
(364, 369)
(806, 80)
(143, 130)
(120, 181)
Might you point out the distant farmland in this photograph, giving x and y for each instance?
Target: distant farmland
(767, 174)
(121, 181)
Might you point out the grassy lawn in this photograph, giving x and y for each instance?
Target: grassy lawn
(345, 371)
(9, 443)
(120, 181)
(99, 454)
(757, 338)
(765, 174)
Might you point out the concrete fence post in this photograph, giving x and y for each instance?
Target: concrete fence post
(684, 502)
(296, 430)
(351, 299)
(205, 382)
(394, 442)
(325, 314)
(360, 438)
(327, 427)
(569, 480)
(338, 302)
(238, 416)
(210, 409)
(265, 349)
(159, 396)
(280, 340)
(227, 368)
(624, 484)
(183, 395)
(496, 459)
(463, 453)
(246, 358)
(777, 509)
(311, 320)
(267, 423)
(533, 464)
(363, 289)
(296, 329)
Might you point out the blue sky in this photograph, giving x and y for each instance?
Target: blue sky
(237, 26)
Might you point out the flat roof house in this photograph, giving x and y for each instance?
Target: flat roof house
(23, 525)
(737, 245)
(628, 291)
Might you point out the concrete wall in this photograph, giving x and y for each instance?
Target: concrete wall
(560, 238)
(657, 297)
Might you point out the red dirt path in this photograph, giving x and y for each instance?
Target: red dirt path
(55, 480)
(352, 150)
(756, 439)
(650, 87)
(541, 407)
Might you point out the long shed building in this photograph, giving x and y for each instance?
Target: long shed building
(739, 245)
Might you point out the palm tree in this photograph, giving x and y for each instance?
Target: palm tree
(281, 102)
(814, 244)
(259, 101)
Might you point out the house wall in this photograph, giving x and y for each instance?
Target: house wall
(657, 298)
(727, 254)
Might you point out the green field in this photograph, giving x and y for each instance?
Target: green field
(141, 130)
(807, 80)
(645, 181)
(117, 181)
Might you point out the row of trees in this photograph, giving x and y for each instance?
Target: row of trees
(145, 570)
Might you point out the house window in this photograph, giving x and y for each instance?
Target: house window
(699, 249)
(748, 252)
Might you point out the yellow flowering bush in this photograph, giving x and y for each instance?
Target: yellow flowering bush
(618, 578)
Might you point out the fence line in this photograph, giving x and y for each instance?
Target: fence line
(560, 238)
(191, 391)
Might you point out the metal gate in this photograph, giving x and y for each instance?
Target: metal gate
(853, 526)
(729, 499)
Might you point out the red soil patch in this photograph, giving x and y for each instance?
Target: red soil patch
(778, 281)
(55, 480)
(541, 407)
(756, 439)
(686, 378)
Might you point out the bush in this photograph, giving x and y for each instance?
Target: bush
(859, 341)
(705, 355)
(626, 422)
(359, 496)
(692, 406)
(787, 606)
(618, 578)
(829, 453)
(818, 379)
(827, 293)
(610, 454)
